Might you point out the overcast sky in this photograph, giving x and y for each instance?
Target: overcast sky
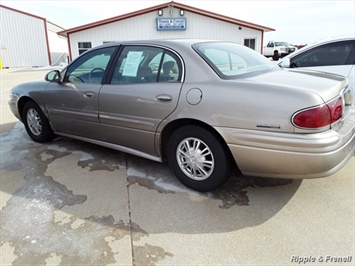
(295, 21)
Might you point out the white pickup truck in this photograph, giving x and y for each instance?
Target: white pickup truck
(278, 49)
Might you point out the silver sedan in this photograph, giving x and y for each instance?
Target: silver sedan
(206, 107)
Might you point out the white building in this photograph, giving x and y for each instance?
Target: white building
(168, 20)
(58, 45)
(27, 40)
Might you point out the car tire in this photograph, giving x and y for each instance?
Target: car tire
(198, 158)
(36, 123)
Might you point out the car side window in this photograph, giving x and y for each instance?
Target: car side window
(90, 67)
(170, 70)
(144, 64)
(338, 53)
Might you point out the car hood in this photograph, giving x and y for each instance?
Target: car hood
(30, 86)
(326, 85)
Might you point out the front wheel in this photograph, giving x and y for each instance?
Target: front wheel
(36, 123)
(198, 159)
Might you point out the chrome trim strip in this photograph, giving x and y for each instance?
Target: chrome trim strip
(133, 120)
(320, 129)
(91, 114)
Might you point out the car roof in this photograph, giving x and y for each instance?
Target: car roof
(319, 43)
(334, 39)
(162, 42)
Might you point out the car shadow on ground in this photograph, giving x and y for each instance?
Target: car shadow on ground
(161, 202)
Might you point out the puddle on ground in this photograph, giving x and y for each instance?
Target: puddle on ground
(233, 192)
(149, 255)
(27, 223)
(19, 150)
(28, 219)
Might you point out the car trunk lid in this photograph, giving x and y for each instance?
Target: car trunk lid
(326, 85)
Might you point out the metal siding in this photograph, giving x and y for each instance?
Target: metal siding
(144, 27)
(22, 40)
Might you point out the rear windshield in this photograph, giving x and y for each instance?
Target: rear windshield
(231, 60)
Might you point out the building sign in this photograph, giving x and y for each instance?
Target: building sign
(171, 23)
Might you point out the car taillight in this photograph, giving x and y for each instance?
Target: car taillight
(336, 109)
(319, 116)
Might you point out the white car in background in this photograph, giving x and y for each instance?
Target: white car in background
(336, 55)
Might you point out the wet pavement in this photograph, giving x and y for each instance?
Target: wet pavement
(70, 202)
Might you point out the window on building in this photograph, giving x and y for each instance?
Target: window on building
(250, 43)
(83, 47)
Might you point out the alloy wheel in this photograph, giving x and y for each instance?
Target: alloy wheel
(34, 122)
(195, 159)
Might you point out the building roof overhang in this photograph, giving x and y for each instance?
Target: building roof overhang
(166, 5)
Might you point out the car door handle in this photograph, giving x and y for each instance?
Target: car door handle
(164, 98)
(89, 94)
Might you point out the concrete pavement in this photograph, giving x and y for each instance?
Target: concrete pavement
(70, 202)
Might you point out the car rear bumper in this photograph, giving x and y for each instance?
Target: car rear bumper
(282, 155)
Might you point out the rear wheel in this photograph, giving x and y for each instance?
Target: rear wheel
(198, 159)
(36, 123)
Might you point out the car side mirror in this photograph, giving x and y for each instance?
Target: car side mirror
(285, 63)
(53, 76)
